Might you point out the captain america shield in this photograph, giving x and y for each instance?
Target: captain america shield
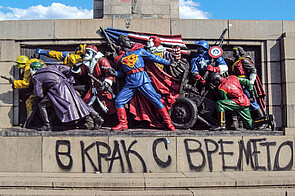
(215, 52)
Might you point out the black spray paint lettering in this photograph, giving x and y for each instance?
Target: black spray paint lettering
(58, 153)
(194, 151)
(161, 163)
(190, 151)
(250, 151)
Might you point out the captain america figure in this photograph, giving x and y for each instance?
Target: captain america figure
(131, 65)
(202, 62)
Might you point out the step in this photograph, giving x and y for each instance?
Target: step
(148, 181)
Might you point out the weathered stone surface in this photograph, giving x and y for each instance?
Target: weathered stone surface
(290, 93)
(27, 29)
(273, 47)
(287, 70)
(6, 95)
(8, 69)
(288, 26)
(20, 154)
(241, 192)
(64, 28)
(268, 153)
(255, 29)
(290, 118)
(201, 154)
(159, 26)
(275, 94)
(6, 116)
(73, 147)
(274, 72)
(9, 50)
(287, 48)
(151, 154)
(205, 29)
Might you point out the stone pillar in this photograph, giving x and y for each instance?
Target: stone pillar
(98, 11)
(288, 80)
(273, 83)
(143, 9)
(9, 102)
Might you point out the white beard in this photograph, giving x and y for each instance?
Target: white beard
(91, 63)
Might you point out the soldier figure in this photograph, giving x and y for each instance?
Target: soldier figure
(232, 98)
(53, 85)
(23, 63)
(96, 65)
(131, 64)
(243, 67)
(202, 62)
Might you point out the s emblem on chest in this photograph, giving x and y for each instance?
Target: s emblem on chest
(130, 60)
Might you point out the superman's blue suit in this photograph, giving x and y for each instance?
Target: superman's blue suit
(200, 63)
(131, 66)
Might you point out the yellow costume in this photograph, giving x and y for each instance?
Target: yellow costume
(69, 60)
(25, 83)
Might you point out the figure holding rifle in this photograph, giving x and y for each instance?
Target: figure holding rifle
(95, 68)
(23, 63)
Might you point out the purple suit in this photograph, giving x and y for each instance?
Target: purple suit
(54, 81)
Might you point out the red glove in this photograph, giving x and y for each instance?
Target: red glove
(213, 69)
(199, 78)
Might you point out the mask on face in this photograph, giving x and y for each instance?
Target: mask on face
(32, 71)
(236, 53)
(88, 55)
(200, 49)
(150, 43)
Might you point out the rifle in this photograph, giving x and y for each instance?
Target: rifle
(221, 38)
(5, 77)
(10, 80)
(111, 45)
(105, 35)
(108, 89)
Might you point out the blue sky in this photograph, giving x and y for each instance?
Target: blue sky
(189, 9)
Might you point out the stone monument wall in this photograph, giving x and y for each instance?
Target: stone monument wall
(271, 41)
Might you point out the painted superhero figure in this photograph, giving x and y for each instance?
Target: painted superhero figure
(155, 47)
(69, 59)
(96, 65)
(23, 63)
(202, 62)
(130, 64)
(232, 98)
(53, 85)
(243, 67)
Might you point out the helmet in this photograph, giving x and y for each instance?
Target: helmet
(156, 40)
(92, 48)
(202, 43)
(34, 66)
(80, 50)
(21, 61)
(214, 78)
(238, 51)
(90, 52)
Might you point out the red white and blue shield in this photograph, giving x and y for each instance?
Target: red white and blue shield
(215, 52)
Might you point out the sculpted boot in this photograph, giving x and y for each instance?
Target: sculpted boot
(98, 120)
(44, 115)
(260, 119)
(167, 120)
(122, 117)
(221, 121)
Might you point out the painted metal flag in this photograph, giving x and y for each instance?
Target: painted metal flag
(139, 37)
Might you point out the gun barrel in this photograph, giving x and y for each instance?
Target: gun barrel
(105, 35)
(5, 77)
